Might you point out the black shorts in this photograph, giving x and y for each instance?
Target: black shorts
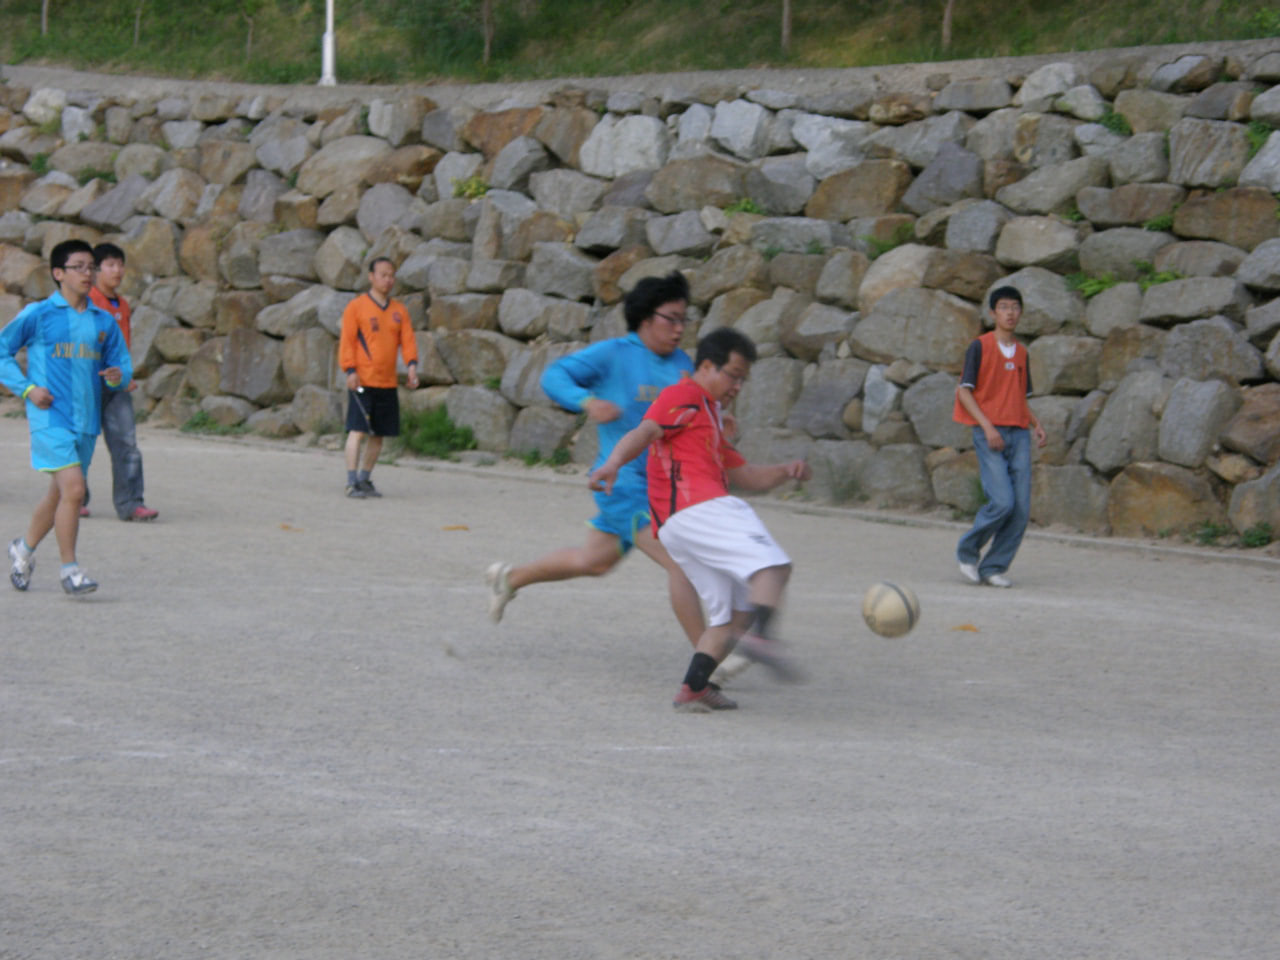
(381, 407)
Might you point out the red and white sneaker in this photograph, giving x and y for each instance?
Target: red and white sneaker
(704, 701)
(143, 513)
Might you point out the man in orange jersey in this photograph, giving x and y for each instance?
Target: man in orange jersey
(119, 430)
(992, 399)
(374, 327)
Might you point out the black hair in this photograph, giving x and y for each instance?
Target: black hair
(1003, 293)
(373, 264)
(61, 253)
(107, 251)
(720, 343)
(651, 293)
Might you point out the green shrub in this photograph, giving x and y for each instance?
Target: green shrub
(201, 422)
(877, 248)
(1088, 286)
(1149, 276)
(1257, 133)
(88, 173)
(744, 205)
(1162, 222)
(472, 188)
(1259, 535)
(40, 164)
(1207, 534)
(815, 248)
(432, 434)
(1116, 123)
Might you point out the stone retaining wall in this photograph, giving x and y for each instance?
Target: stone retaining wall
(852, 231)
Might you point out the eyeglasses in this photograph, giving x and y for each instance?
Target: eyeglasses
(739, 380)
(674, 321)
(81, 267)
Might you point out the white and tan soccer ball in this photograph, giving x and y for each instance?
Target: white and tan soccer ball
(890, 610)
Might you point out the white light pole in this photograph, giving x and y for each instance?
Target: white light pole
(327, 78)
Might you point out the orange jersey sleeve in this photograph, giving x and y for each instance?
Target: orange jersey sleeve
(119, 310)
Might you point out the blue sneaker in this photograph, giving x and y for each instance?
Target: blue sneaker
(77, 583)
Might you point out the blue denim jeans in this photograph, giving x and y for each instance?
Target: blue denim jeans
(120, 434)
(1006, 480)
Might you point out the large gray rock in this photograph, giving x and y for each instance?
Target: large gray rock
(928, 326)
(144, 327)
(841, 277)
(1142, 158)
(1095, 140)
(252, 368)
(380, 207)
(1200, 258)
(291, 253)
(695, 183)
(780, 186)
(819, 410)
(453, 170)
(1118, 252)
(1084, 102)
(1210, 348)
(309, 359)
(798, 234)
(816, 328)
(485, 412)
(1261, 268)
(1113, 309)
(731, 268)
(1264, 169)
(992, 137)
(495, 276)
(283, 155)
(767, 398)
(1038, 241)
(1069, 496)
(904, 266)
(952, 175)
(680, 233)
(928, 404)
(1064, 364)
(339, 261)
(261, 191)
(835, 465)
(832, 145)
(566, 193)
(896, 476)
(1150, 111)
(1053, 188)
(562, 270)
(541, 431)
(1046, 84)
(1190, 72)
(1207, 153)
(300, 311)
(522, 377)
(398, 121)
(613, 228)
(618, 147)
(880, 397)
(115, 207)
(918, 144)
(1256, 502)
(1130, 205)
(526, 314)
(1193, 417)
(976, 227)
(515, 163)
(475, 356)
(741, 127)
(1180, 300)
(1128, 428)
(340, 162)
(977, 95)
(315, 409)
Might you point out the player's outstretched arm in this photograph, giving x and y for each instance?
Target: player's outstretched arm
(632, 444)
(758, 477)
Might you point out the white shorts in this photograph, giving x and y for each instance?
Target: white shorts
(720, 544)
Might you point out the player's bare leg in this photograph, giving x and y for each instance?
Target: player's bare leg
(59, 511)
(597, 555)
(684, 598)
(757, 642)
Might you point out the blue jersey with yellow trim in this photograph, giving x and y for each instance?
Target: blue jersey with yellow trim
(66, 350)
(627, 374)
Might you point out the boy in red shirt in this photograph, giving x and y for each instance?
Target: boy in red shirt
(992, 398)
(119, 430)
(717, 539)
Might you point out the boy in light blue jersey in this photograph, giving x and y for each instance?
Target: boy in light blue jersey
(73, 347)
(613, 382)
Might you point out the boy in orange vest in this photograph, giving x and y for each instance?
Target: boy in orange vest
(992, 398)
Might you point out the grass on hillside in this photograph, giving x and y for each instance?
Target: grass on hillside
(389, 41)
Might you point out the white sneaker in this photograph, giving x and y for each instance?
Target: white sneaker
(20, 572)
(77, 583)
(730, 667)
(998, 580)
(970, 572)
(500, 592)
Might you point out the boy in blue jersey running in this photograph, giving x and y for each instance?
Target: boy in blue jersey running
(73, 347)
(613, 382)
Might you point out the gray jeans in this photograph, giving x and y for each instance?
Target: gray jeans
(120, 434)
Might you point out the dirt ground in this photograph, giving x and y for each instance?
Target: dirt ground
(284, 728)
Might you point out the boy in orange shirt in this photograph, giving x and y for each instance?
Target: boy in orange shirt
(119, 429)
(992, 398)
(374, 328)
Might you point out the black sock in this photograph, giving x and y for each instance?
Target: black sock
(700, 669)
(760, 617)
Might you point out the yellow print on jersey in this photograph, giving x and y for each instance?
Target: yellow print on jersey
(647, 393)
(70, 350)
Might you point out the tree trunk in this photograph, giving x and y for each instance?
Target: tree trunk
(248, 40)
(44, 18)
(946, 24)
(486, 26)
(137, 23)
(786, 26)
